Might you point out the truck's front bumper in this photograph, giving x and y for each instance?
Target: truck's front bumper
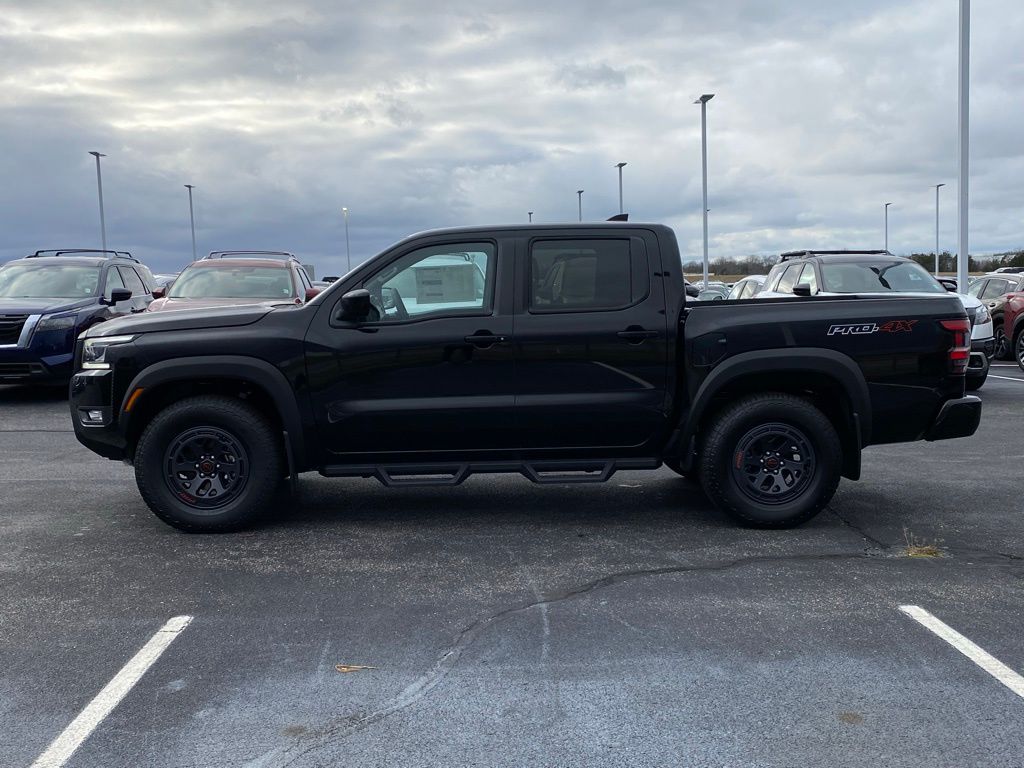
(956, 418)
(93, 416)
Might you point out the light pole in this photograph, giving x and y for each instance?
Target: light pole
(348, 251)
(619, 166)
(192, 218)
(99, 188)
(963, 92)
(703, 101)
(937, 228)
(530, 214)
(887, 226)
(579, 195)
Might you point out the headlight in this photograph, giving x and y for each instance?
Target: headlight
(94, 355)
(56, 322)
(981, 315)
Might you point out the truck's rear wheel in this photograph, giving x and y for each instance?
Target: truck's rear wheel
(209, 464)
(771, 461)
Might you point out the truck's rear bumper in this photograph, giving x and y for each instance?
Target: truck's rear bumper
(956, 418)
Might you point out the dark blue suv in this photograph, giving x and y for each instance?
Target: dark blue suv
(50, 297)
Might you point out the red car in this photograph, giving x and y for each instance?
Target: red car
(224, 281)
(1013, 325)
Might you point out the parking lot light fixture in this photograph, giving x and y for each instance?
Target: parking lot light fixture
(99, 189)
(619, 166)
(348, 250)
(703, 101)
(192, 218)
(963, 146)
(579, 196)
(887, 225)
(530, 214)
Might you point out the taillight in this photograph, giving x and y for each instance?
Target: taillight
(960, 353)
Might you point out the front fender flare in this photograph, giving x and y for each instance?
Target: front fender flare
(250, 369)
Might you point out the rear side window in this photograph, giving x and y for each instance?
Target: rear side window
(586, 275)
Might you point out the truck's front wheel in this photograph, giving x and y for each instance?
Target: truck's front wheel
(208, 464)
(771, 461)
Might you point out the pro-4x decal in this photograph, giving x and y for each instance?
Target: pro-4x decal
(860, 329)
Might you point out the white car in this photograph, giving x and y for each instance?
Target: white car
(873, 273)
(747, 287)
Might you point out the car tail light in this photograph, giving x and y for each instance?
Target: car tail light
(960, 353)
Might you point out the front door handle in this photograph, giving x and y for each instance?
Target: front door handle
(637, 335)
(483, 339)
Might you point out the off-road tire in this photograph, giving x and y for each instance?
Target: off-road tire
(253, 432)
(734, 424)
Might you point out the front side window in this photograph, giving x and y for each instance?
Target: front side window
(878, 277)
(233, 282)
(995, 289)
(131, 281)
(585, 275)
(810, 278)
(976, 288)
(48, 281)
(789, 278)
(448, 279)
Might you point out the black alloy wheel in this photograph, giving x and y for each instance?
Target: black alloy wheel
(1002, 346)
(774, 463)
(206, 467)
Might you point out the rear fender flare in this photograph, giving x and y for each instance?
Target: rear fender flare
(764, 363)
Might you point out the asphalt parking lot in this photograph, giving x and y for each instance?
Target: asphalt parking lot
(506, 624)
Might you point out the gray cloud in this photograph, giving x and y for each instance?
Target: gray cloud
(419, 115)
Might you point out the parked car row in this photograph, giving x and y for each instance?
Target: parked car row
(49, 298)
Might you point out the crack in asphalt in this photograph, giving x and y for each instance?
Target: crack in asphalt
(860, 530)
(345, 726)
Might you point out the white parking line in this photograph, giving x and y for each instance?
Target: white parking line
(1005, 378)
(978, 655)
(61, 749)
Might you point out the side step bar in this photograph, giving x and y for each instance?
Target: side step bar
(440, 473)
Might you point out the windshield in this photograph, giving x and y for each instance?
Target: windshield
(233, 283)
(878, 276)
(48, 281)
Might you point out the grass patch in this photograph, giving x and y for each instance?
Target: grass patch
(915, 547)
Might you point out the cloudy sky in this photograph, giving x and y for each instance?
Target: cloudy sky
(417, 115)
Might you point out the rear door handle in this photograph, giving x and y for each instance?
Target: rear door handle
(637, 335)
(484, 340)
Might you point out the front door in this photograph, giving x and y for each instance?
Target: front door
(591, 352)
(431, 370)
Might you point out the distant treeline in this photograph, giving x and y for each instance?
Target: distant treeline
(759, 265)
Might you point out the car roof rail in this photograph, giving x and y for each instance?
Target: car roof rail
(787, 255)
(248, 254)
(98, 252)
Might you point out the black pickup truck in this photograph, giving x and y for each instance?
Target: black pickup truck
(563, 353)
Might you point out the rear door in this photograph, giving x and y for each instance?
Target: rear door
(590, 339)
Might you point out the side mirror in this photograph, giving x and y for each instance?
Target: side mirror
(118, 295)
(802, 289)
(355, 306)
(159, 293)
(311, 292)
